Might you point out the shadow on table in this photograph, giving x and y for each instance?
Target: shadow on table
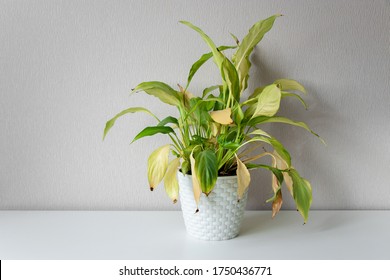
(318, 222)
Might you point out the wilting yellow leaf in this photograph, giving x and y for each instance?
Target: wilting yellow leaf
(243, 178)
(170, 180)
(277, 203)
(282, 164)
(157, 165)
(275, 182)
(222, 116)
(195, 182)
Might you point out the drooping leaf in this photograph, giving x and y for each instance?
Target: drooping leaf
(268, 102)
(111, 122)
(222, 116)
(170, 180)
(274, 143)
(275, 171)
(195, 67)
(274, 181)
(206, 170)
(288, 84)
(302, 193)
(195, 181)
(157, 165)
(152, 130)
(167, 120)
(281, 164)
(162, 91)
(243, 178)
(276, 119)
(289, 94)
(277, 203)
(254, 36)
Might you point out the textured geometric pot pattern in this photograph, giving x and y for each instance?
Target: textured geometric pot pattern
(220, 213)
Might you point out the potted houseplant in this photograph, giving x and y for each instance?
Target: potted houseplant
(217, 138)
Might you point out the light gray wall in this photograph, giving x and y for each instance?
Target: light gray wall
(68, 66)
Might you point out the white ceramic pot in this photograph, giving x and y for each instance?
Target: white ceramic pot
(220, 213)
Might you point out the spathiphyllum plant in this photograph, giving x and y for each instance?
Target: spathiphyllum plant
(217, 133)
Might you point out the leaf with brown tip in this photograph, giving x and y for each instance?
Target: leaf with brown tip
(157, 165)
(195, 181)
(277, 203)
(170, 180)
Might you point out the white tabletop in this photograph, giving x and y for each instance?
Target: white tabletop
(162, 235)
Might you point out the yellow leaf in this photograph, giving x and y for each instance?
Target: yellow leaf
(268, 101)
(195, 182)
(277, 203)
(280, 163)
(170, 180)
(157, 165)
(243, 178)
(222, 116)
(275, 183)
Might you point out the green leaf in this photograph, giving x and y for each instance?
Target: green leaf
(278, 174)
(254, 36)
(268, 102)
(260, 132)
(252, 98)
(152, 130)
(167, 120)
(263, 119)
(302, 193)
(207, 170)
(199, 106)
(238, 114)
(288, 84)
(218, 56)
(210, 89)
(111, 122)
(202, 60)
(235, 39)
(230, 76)
(275, 144)
(157, 165)
(162, 91)
(289, 94)
(228, 71)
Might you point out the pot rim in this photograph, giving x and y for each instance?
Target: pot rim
(228, 177)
